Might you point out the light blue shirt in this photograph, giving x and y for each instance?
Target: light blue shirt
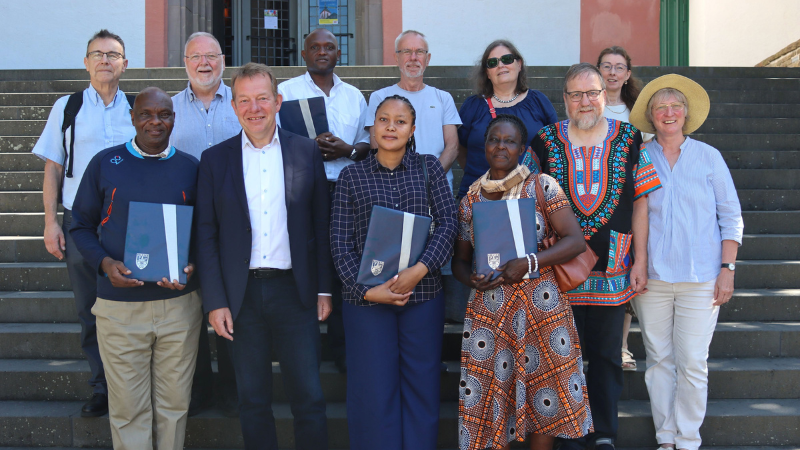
(97, 127)
(696, 209)
(197, 129)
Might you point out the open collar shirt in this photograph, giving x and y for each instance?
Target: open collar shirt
(346, 110)
(696, 209)
(197, 128)
(97, 127)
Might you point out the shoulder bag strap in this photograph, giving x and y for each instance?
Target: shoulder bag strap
(491, 107)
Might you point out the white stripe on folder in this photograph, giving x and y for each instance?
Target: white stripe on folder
(405, 243)
(171, 233)
(306, 111)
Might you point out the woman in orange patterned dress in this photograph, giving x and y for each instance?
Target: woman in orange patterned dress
(521, 367)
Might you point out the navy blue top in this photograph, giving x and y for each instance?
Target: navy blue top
(366, 184)
(535, 110)
(115, 177)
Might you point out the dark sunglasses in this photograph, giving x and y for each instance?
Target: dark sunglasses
(491, 63)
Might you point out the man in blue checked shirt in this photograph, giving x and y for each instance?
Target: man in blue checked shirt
(103, 121)
(204, 118)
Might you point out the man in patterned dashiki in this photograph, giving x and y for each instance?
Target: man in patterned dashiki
(606, 178)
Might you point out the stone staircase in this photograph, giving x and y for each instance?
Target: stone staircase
(754, 366)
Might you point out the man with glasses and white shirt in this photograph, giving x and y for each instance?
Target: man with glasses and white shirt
(204, 117)
(102, 120)
(346, 142)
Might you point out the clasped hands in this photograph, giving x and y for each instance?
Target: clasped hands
(332, 147)
(398, 289)
(510, 273)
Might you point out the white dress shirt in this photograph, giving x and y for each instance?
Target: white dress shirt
(346, 110)
(696, 209)
(266, 200)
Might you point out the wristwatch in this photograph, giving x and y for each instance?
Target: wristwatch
(353, 154)
(729, 266)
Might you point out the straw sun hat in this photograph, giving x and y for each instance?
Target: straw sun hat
(696, 96)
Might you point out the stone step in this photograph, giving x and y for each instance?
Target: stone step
(21, 181)
(729, 378)
(719, 110)
(21, 162)
(40, 276)
(749, 339)
(767, 274)
(755, 222)
(750, 199)
(727, 422)
(754, 247)
(769, 199)
(58, 306)
(749, 159)
(16, 144)
(23, 224)
(766, 178)
(646, 72)
(766, 246)
(763, 222)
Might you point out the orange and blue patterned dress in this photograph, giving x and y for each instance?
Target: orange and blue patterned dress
(521, 365)
(601, 184)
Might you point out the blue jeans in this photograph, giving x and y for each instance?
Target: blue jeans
(272, 319)
(393, 374)
(83, 279)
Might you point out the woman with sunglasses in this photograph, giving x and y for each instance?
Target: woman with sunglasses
(502, 88)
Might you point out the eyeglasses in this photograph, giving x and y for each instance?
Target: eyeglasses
(97, 55)
(506, 59)
(412, 51)
(608, 67)
(676, 107)
(210, 57)
(576, 96)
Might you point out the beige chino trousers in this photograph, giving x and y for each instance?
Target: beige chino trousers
(149, 351)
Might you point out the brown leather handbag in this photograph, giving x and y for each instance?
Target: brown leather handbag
(574, 272)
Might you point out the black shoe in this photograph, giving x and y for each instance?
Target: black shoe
(199, 403)
(341, 364)
(96, 406)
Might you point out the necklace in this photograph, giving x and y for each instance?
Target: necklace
(617, 112)
(505, 101)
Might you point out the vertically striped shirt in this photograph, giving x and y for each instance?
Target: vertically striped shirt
(696, 209)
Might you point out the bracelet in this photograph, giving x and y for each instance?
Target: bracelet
(536, 259)
(528, 257)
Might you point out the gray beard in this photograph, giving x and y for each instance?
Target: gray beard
(587, 123)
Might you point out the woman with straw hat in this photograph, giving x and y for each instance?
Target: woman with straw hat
(695, 231)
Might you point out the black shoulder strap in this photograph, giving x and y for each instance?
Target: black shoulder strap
(424, 166)
(70, 112)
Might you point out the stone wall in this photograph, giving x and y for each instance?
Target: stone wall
(788, 57)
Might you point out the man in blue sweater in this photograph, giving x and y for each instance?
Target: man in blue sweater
(147, 332)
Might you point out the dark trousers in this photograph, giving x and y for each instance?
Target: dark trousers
(203, 381)
(600, 332)
(83, 279)
(272, 320)
(334, 321)
(393, 375)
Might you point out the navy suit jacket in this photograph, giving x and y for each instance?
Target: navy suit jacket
(224, 234)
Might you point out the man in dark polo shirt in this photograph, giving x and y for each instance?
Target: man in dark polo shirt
(147, 332)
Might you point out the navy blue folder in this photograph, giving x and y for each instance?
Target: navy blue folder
(157, 241)
(395, 241)
(306, 116)
(504, 230)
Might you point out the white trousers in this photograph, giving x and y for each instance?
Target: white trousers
(677, 321)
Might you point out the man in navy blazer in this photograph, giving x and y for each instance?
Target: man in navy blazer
(264, 260)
